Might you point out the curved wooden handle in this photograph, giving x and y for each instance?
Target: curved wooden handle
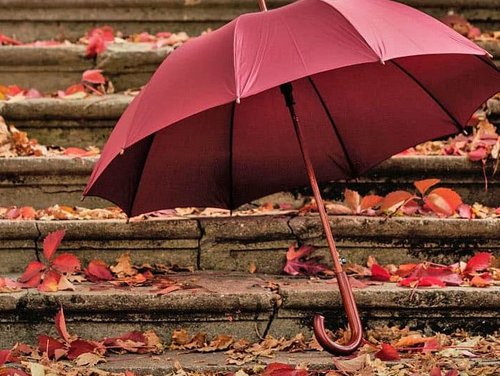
(352, 316)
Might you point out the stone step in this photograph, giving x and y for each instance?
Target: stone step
(235, 243)
(127, 65)
(46, 181)
(31, 19)
(82, 122)
(216, 363)
(241, 305)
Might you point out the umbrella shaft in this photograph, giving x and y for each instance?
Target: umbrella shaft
(286, 90)
(262, 5)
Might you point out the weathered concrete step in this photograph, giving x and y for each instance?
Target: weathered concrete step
(43, 182)
(234, 243)
(241, 305)
(127, 65)
(214, 364)
(32, 19)
(54, 121)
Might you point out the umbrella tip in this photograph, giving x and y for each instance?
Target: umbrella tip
(382, 62)
(122, 151)
(82, 197)
(489, 55)
(238, 100)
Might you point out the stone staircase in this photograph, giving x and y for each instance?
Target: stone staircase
(32, 19)
(226, 298)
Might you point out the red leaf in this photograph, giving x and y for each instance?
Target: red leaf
(480, 261)
(370, 201)
(464, 211)
(379, 273)
(431, 345)
(435, 371)
(49, 345)
(281, 369)
(298, 261)
(27, 212)
(77, 88)
(394, 200)
(4, 356)
(50, 281)
(421, 282)
(51, 242)
(93, 76)
(97, 45)
(12, 372)
(66, 263)
(387, 353)
(106, 32)
(443, 201)
(77, 152)
(424, 185)
(98, 271)
(33, 270)
(61, 325)
(79, 347)
(478, 155)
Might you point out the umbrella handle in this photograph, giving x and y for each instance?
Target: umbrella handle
(354, 322)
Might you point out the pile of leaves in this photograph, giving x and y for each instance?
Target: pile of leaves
(92, 82)
(482, 144)
(481, 270)
(84, 353)
(53, 273)
(60, 212)
(98, 39)
(14, 143)
(438, 202)
(434, 354)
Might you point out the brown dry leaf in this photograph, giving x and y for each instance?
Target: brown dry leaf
(412, 340)
(123, 267)
(89, 359)
(354, 365)
(252, 268)
(219, 343)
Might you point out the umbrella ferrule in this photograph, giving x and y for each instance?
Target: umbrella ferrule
(286, 90)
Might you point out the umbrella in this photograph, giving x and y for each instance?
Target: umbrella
(218, 123)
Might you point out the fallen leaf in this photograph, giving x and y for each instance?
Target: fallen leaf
(51, 242)
(93, 76)
(60, 322)
(379, 273)
(480, 261)
(387, 353)
(424, 185)
(97, 270)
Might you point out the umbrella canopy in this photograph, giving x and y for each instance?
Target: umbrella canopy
(371, 78)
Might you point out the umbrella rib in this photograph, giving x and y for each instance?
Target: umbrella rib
(429, 93)
(231, 133)
(334, 126)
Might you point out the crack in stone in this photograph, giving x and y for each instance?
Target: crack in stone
(38, 238)
(200, 238)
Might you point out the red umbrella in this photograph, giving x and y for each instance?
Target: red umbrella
(367, 78)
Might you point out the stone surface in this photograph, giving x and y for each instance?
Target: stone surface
(241, 305)
(43, 182)
(237, 243)
(30, 19)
